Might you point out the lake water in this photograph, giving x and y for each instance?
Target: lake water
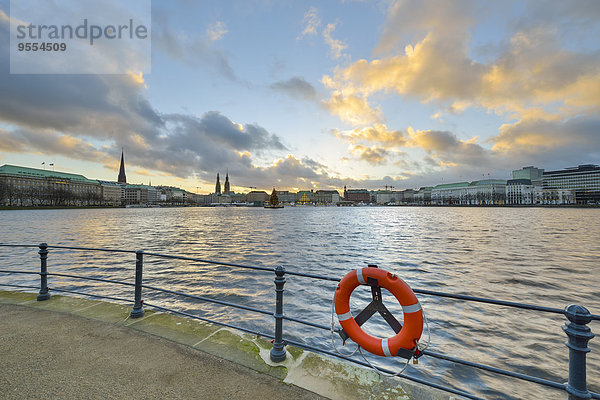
(542, 256)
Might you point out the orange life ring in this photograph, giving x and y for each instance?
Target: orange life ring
(412, 329)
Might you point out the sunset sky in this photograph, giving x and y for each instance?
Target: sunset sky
(301, 95)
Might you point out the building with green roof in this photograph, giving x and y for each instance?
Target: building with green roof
(483, 192)
(23, 186)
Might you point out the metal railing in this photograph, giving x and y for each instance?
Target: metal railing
(576, 329)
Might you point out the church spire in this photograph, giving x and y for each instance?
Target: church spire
(218, 185)
(227, 189)
(122, 178)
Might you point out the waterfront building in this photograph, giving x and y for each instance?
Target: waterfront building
(555, 196)
(258, 197)
(285, 196)
(384, 197)
(449, 193)
(237, 197)
(122, 178)
(423, 195)
(484, 192)
(152, 194)
(22, 186)
(139, 194)
(522, 191)
(223, 199)
(408, 196)
(531, 173)
(327, 197)
(112, 193)
(582, 183)
(357, 195)
(178, 196)
(306, 197)
(172, 195)
(202, 199)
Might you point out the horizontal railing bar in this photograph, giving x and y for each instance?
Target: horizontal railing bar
(210, 321)
(326, 328)
(89, 278)
(9, 271)
(490, 301)
(18, 245)
(53, 289)
(321, 277)
(496, 370)
(90, 248)
(210, 262)
(21, 286)
(365, 364)
(207, 299)
(496, 302)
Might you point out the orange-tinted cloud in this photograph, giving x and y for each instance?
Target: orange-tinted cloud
(533, 71)
(352, 109)
(375, 133)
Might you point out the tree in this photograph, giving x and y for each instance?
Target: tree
(274, 200)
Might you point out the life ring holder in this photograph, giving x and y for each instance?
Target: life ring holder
(405, 343)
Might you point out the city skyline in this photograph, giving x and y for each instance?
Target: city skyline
(400, 93)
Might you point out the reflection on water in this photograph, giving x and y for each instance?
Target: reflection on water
(541, 256)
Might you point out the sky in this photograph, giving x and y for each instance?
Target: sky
(318, 95)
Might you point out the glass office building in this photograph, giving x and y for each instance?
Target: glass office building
(584, 180)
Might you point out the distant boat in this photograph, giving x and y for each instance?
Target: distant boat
(273, 201)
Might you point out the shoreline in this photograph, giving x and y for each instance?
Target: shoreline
(576, 206)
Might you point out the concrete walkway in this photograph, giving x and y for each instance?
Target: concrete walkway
(49, 354)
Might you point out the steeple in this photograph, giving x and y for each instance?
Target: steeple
(122, 177)
(227, 191)
(218, 185)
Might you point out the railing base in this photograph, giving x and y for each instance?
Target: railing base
(277, 355)
(43, 296)
(137, 313)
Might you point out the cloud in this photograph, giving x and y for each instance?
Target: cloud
(373, 155)
(352, 109)
(411, 20)
(335, 46)
(543, 79)
(425, 55)
(567, 142)
(447, 149)
(216, 31)
(377, 144)
(90, 117)
(49, 142)
(192, 50)
(296, 87)
(311, 21)
(376, 133)
(10, 143)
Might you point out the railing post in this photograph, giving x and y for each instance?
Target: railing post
(278, 350)
(44, 293)
(138, 306)
(579, 335)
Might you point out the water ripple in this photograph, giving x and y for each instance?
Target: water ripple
(540, 256)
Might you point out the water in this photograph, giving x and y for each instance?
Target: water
(532, 255)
